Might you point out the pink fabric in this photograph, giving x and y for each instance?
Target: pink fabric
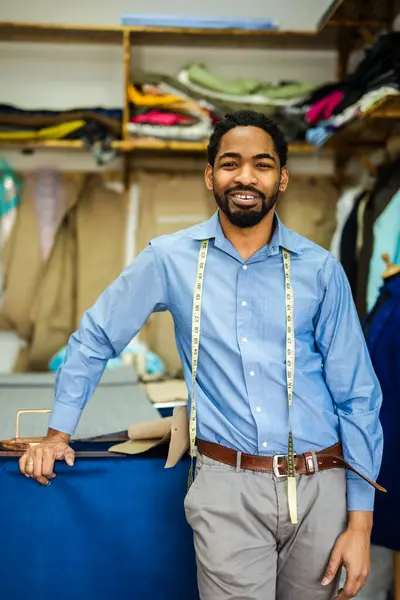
(324, 108)
(159, 117)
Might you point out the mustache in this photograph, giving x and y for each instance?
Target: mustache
(245, 188)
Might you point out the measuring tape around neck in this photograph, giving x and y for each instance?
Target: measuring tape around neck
(290, 358)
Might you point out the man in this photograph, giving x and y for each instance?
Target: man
(253, 277)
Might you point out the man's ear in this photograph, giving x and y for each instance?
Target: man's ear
(284, 179)
(208, 176)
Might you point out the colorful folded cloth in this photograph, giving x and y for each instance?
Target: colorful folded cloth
(160, 117)
(252, 91)
(139, 98)
(48, 133)
(323, 109)
(188, 133)
(319, 135)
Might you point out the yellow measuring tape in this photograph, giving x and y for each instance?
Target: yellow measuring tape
(290, 358)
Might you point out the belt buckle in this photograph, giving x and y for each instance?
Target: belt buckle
(275, 466)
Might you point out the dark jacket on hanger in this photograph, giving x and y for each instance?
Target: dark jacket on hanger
(382, 329)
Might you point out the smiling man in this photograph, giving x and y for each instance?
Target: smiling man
(288, 436)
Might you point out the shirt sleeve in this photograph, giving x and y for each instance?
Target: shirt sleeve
(354, 387)
(104, 331)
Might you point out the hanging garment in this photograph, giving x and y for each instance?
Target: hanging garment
(386, 233)
(86, 256)
(386, 186)
(348, 245)
(168, 203)
(344, 207)
(381, 330)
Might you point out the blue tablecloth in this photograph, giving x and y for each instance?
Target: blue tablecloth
(107, 528)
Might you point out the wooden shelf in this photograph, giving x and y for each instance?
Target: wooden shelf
(179, 36)
(132, 145)
(42, 32)
(390, 109)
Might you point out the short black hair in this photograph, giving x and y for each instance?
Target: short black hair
(243, 118)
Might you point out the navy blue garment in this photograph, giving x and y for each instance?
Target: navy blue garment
(382, 330)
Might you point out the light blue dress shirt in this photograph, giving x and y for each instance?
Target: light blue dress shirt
(241, 382)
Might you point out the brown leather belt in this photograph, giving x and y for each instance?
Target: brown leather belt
(306, 464)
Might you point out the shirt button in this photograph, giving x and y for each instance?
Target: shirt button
(252, 373)
(244, 340)
(258, 409)
(265, 444)
(244, 303)
(244, 267)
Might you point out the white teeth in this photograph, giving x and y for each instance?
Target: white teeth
(242, 197)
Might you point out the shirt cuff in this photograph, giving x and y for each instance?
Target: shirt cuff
(64, 417)
(360, 494)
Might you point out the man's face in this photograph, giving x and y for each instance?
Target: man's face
(246, 178)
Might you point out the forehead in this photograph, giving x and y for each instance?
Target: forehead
(247, 141)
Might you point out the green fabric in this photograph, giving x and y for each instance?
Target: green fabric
(237, 87)
(201, 76)
(221, 106)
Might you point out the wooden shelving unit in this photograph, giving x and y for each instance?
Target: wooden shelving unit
(340, 22)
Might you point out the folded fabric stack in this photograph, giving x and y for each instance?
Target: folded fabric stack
(167, 115)
(185, 107)
(376, 79)
(96, 127)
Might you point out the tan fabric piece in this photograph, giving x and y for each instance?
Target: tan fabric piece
(44, 301)
(169, 203)
(167, 391)
(179, 443)
(144, 436)
(151, 430)
(100, 240)
(309, 208)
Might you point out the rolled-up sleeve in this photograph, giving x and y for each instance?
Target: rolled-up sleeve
(352, 382)
(104, 331)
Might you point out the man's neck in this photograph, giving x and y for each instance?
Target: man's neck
(248, 240)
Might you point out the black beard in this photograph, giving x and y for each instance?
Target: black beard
(246, 217)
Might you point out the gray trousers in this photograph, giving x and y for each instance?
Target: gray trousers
(247, 548)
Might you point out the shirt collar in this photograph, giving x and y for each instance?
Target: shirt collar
(211, 229)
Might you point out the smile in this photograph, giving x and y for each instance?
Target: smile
(245, 198)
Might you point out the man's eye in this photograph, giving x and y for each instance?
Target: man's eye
(264, 166)
(229, 164)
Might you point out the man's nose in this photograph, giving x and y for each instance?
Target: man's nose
(246, 176)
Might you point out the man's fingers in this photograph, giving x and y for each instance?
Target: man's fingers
(48, 464)
(22, 464)
(342, 595)
(30, 463)
(69, 457)
(351, 587)
(331, 570)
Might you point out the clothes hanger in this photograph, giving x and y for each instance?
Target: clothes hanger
(390, 268)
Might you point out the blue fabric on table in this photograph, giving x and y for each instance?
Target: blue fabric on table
(106, 528)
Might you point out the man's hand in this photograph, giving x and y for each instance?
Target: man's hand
(352, 550)
(38, 461)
